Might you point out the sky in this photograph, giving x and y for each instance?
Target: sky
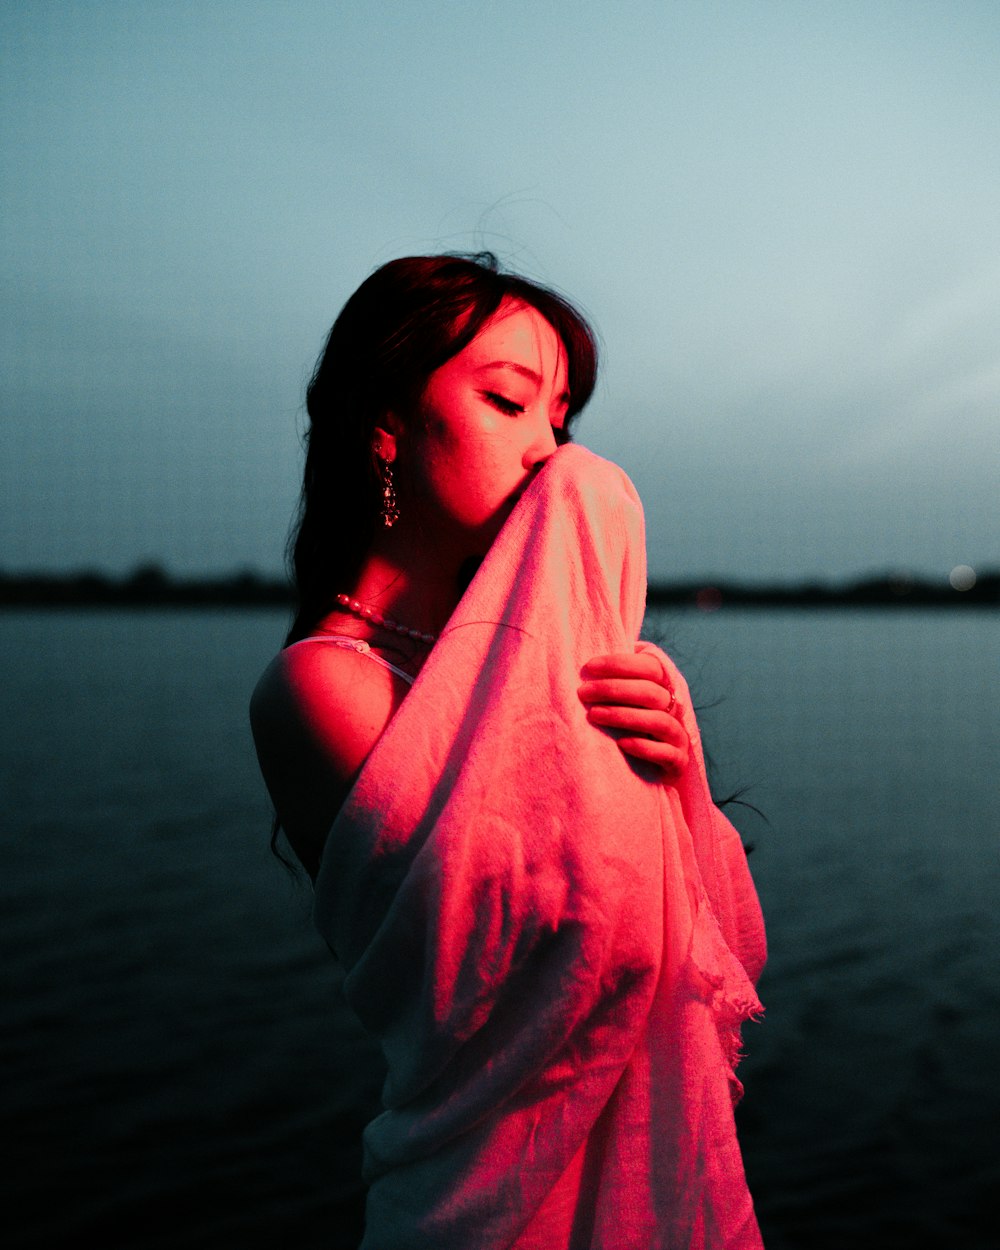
(782, 217)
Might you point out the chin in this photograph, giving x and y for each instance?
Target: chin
(480, 538)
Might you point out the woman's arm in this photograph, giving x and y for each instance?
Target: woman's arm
(631, 692)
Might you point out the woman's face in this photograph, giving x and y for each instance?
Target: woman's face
(489, 417)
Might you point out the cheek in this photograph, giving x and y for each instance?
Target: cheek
(472, 487)
(470, 477)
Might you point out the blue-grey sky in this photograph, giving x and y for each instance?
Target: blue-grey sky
(782, 216)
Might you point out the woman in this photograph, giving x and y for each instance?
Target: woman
(398, 398)
(521, 953)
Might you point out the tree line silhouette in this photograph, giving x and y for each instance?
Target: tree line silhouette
(150, 585)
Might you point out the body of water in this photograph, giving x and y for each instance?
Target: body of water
(180, 1070)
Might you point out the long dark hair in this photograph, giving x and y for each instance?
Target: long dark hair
(402, 323)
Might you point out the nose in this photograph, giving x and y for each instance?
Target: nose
(540, 448)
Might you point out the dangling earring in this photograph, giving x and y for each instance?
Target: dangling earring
(390, 509)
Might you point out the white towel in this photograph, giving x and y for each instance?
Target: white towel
(554, 947)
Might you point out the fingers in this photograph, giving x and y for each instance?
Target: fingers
(671, 760)
(633, 667)
(658, 737)
(625, 664)
(631, 692)
(651, 723)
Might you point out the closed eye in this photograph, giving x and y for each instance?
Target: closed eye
(505, 405)
(562, 432)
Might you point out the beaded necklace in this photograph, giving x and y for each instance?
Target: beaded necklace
(370, 614)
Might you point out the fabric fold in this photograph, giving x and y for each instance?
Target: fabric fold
(555, 949)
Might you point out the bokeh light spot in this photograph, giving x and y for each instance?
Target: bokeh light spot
(962, 577)
(709, 598)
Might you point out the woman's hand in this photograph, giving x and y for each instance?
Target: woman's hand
(632, 693)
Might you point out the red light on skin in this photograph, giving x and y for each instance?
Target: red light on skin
(490, 418)
(709, 599)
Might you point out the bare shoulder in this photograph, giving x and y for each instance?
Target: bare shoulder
(330, 691)
(316, 713)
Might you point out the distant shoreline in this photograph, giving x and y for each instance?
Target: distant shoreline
(151, 586)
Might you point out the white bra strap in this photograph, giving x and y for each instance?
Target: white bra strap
(362, 648)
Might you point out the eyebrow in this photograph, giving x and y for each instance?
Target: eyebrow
(524, 370)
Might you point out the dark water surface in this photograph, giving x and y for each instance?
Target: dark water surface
(180, 1071)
